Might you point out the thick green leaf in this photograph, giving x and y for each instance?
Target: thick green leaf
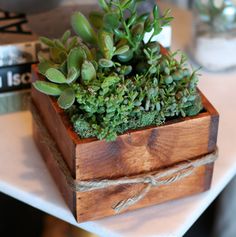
(111, 21)
(126, 57)
(83, 28)
(109, 42)
(63, 68)
(67, 98)
(95, 64)
(125, 70)
(168, 79)
(76, 58)
(123, 49)
(88, 52)
(88, 72)
(47, 88)
(106, 63)
(121, 42)
(54, 75)
(73, 42)
(57, 55)
(47, 41)
(44, 66)
(58, 44)
(65, 36)
(106, 44)
(73, 74)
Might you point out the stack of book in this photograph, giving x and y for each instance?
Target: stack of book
(18, 50)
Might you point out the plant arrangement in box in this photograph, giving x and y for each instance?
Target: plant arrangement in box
(109, 81)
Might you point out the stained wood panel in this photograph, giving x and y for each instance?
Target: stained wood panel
(144, 150)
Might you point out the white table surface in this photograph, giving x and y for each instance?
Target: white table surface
(24, 176)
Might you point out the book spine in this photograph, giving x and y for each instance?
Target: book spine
(14, 78)
(21, 53)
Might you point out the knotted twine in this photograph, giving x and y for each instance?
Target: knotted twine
(154, 179)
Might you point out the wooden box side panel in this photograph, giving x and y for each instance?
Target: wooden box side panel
(145, 150)
(97, 204)
(52, 119)
(150, 149)
(214, 123)
(67, 193)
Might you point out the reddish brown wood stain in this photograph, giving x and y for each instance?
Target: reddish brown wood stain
(131, 154)
(143, 150)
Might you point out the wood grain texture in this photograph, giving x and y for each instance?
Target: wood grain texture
(143, 151)
(214, 124)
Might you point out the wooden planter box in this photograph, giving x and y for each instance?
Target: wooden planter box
(133, 154)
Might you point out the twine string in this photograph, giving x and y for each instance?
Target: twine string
(152, 179)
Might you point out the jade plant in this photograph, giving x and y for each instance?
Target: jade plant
(109, 81)
(221, 17)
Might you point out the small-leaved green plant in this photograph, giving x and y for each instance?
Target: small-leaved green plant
(109, 81)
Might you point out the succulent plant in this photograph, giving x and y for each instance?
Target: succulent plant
(220, 15)
(109, 81)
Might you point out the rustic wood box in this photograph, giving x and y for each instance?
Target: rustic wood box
(132, 155)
